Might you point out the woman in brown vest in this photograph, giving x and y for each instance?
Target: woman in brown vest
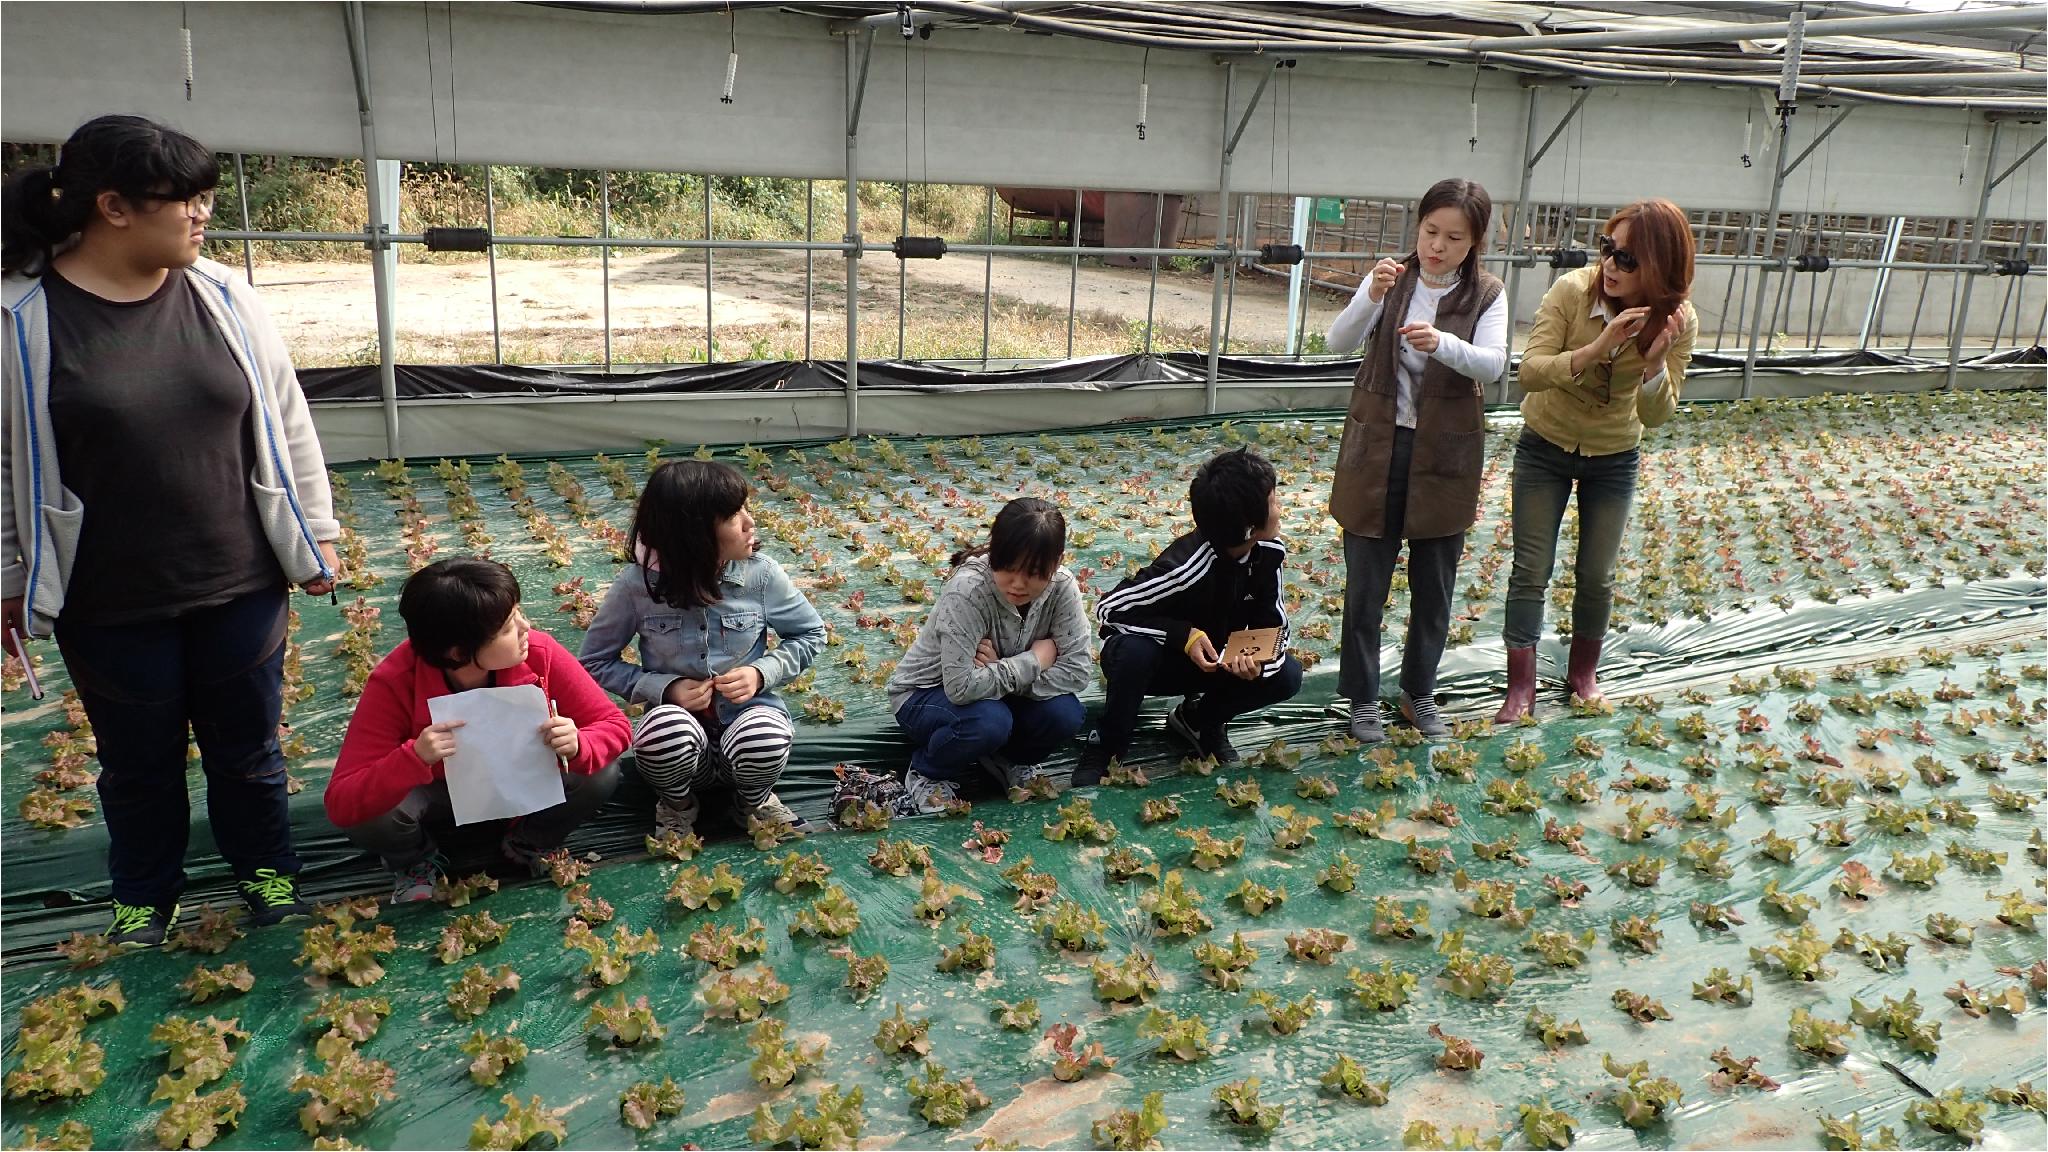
(1415, 444)
(1605, 360)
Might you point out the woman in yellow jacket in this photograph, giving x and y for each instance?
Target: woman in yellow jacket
(1605, 359)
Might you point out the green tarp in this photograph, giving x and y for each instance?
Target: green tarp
(1813, 501)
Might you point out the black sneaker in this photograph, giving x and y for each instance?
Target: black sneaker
(273, 897)
(141, 925)
(1181, 730)
(1092, 765)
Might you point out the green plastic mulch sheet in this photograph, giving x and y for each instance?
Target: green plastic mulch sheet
(1828, 728)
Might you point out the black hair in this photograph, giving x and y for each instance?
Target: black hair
(677, 521)
(45, 206)
(1468, 197)
(1229, 497)
(456, 605)
(1029, 535)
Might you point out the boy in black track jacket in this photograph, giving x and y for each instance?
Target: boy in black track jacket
(1165, 628)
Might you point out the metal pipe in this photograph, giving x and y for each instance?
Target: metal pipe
(903, 266)
(1297, 234)
(1880, 285)
(810, 258)
(1962, 316)
(604, 257)
(710, 331)
(1222, 239)
(1073, 271)
(242, 192)
(988, 271)
(852, 239)
(491, 264)
(1722, 32)
(1788, 83)
(1515, 222)
(377, 237)
(1152, 288)
(1488, 50)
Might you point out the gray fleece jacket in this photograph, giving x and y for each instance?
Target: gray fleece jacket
(973, 609)
(40, 518)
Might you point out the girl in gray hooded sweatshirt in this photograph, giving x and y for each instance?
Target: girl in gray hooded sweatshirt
(991, 683)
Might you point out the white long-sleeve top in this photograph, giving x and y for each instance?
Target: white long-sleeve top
(1483, 358)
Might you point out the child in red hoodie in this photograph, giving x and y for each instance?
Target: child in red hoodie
(465, 630)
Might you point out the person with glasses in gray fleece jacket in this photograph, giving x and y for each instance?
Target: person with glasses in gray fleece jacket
(991, 684)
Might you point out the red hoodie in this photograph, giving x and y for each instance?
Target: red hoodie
(378, 766)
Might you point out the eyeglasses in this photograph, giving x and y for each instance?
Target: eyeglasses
(198, 207)
(1622, 257)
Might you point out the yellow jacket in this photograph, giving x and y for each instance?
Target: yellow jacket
(1604, 409)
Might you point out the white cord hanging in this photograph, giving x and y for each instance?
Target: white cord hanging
(1962, 171)
(1748, 125)
(1472, 144)
(185, 36)
(1144, 90)
(732, 56)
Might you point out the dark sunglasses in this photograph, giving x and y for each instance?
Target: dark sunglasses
(1622, 257)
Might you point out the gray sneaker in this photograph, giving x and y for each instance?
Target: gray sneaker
(926, 796)
(1366, 726)
(771, 811)
(1007, 774)
(677, 816)
(1423, 714)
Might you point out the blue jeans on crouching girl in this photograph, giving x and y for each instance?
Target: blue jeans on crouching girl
(952, 738)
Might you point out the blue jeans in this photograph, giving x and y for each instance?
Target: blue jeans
(220, 670)
(1543, 480)
(952, 738)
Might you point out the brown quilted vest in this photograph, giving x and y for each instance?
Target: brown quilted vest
(1450, 426)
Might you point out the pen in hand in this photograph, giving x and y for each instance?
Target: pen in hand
(562, 761)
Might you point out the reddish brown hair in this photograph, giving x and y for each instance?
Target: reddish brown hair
(1660, 238)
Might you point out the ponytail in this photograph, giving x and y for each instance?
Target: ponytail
(36, 218)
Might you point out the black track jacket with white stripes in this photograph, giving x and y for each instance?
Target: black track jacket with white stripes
(1191, 585)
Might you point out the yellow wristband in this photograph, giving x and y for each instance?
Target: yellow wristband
(1194, 634)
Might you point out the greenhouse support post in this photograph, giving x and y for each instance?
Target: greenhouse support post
(856, 87)
(378, 241)
(1519, 252)
(491, 264)
(242, 193)
(1297, 235)
(1222, 263)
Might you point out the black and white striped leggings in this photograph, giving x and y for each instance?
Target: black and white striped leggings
(751, 753)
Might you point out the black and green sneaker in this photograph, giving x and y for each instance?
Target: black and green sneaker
(273, 896)
(141, 925)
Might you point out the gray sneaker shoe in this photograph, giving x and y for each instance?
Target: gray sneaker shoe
(1423, 714)
(926, 796)
(771, 811)
(1007, 774)
(1365, 726)
(677, 816)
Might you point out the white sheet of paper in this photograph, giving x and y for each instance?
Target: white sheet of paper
(501, 767)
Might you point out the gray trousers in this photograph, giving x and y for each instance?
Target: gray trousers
(1369, 564)
(402, 838)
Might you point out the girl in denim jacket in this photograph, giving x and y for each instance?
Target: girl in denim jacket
(700, 603)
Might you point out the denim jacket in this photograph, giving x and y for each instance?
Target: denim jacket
(699, 643)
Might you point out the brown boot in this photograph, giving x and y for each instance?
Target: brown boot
(1521, 699)
(1585, 661)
